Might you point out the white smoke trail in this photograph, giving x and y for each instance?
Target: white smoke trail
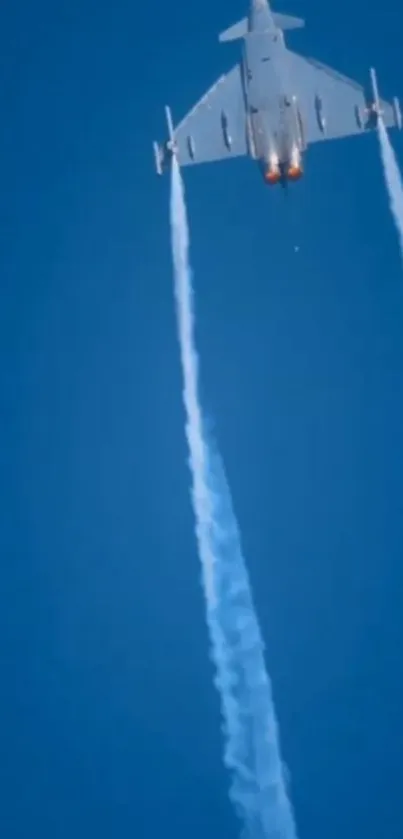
(252, 749)
(393, 178)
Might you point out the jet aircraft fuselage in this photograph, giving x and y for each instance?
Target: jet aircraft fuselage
(274, 123)
(272, 105)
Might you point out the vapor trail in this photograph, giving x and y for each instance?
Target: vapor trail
(252, 749)
(393, 179)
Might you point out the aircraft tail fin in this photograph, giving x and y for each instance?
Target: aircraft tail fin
(240, 29)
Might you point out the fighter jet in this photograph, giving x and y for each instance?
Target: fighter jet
(272, 105)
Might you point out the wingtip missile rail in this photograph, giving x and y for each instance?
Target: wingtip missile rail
(376, 107)
(163, 152)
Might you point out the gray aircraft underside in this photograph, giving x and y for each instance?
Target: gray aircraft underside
(272, 105)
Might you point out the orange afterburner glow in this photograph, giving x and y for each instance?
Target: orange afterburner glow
(294, 172)
(272, 176)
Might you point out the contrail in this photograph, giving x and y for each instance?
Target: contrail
(252, 748)
(393, 178)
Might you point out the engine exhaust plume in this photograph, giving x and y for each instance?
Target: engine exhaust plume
(252, 749)
(393, 179)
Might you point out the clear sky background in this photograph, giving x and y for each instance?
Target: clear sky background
(109, 719)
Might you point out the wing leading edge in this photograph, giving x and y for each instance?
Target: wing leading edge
(215, 129)
(332, 106)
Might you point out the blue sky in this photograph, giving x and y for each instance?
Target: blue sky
(110, 722)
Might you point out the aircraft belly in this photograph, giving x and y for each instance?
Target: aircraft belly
(270, 123)
(264, 97)
(263, 128)
(263, 87)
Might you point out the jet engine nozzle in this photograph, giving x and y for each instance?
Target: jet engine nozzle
(294, 172)
(272, 175)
